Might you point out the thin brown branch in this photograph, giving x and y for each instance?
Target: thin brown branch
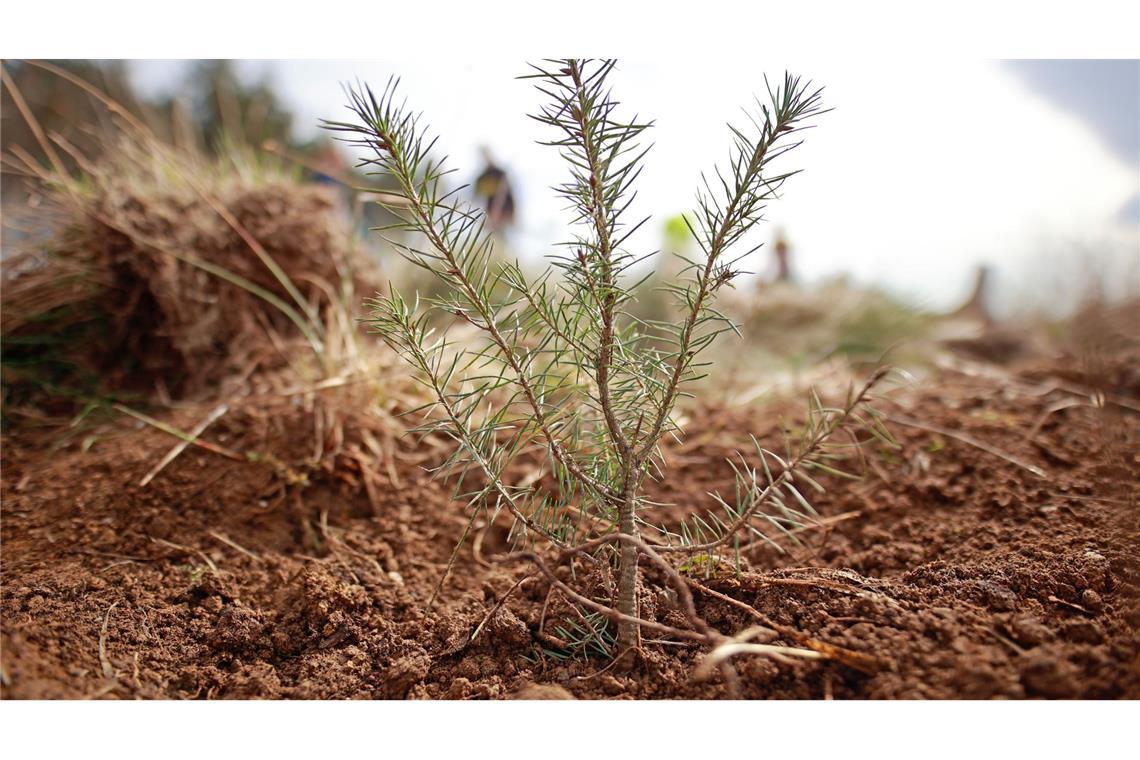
(502, 600)
(857, 660)
(609, 612)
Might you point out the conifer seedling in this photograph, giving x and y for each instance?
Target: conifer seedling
(560, 364)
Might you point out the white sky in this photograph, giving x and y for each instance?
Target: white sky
(922, 170)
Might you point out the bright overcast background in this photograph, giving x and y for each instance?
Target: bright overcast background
(921, 172)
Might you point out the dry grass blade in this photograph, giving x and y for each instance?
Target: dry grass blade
(186, 550)
(104, 660)
(191, 437)
(184, 437)
(967, 439)
(234, 545)
(33, 124)
(1059, 406)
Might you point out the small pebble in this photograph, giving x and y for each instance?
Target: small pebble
(1030, 631)
(542, 691)
(1091, 600)
(612, 685)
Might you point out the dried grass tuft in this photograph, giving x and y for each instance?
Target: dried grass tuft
(163, 262)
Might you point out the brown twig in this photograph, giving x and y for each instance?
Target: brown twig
(856, 660)
(498, 604)
(609, 612)
(1070, 605)
(700, 632)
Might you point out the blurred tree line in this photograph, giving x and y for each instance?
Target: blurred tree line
(214, 105)
(213, 110)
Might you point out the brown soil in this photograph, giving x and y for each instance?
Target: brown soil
(965, 575)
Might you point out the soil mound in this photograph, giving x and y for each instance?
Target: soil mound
(175, 286)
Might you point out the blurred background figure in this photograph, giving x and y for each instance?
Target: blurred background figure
(330, 166)
(781, 251)
(494, 191)
(781, 258)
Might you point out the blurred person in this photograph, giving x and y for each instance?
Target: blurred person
(781, 258)
(330, 168)
(494, 190)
